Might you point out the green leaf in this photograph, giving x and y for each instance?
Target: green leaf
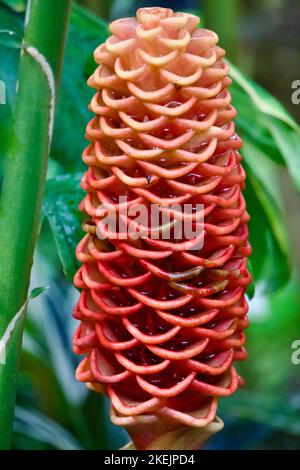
(251, 288)
(86, 32)
(60, 206)
(37, 291)
(263, 100)
(264, 178)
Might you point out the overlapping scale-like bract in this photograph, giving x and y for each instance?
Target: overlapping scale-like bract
(160, 321)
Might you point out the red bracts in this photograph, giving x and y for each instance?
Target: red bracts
(162, 319)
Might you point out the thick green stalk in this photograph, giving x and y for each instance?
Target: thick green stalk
(24, 177)
(223, 17)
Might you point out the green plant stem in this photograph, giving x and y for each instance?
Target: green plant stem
(223, 17)
(24, 177)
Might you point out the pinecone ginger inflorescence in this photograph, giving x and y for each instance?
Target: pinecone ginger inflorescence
(162, 320)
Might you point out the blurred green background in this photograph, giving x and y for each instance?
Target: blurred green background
(263, 42)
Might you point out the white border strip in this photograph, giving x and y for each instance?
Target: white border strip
(9, 330)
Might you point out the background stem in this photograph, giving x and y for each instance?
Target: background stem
(24, 176)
